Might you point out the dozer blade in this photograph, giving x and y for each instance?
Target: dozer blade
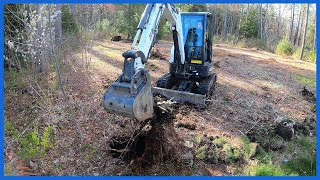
(121, 99)
(180, 96)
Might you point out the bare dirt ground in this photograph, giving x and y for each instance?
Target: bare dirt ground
(253, 87)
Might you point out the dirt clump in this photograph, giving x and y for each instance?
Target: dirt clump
(307, 127)
(308, 95)
(187, 126)
(266, 137)
(164, 153)
(156, 53)
(272, 137)
(127, 148)
(285, 129)
(116, 38)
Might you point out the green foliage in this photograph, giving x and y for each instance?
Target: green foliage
(253, 43)
(219, 142)
(68, 23)
(192, 7)
(213, 155)
(248, 25)
(201, 152)
(34, 146)
(217, 150)
(311, 81)
(284, 48)
(310, 35)
(264, 157)
(105, 28)
(163, 29)
(231, 154)
(197, 140)
(308, 55)
(311, 56)
(300, 154)
(14, 31)
(128, 17)
(13, 82)
(9, 170)
(12, 23)
(268, 170)
(246, 146)
(10, 130)
(91, 151)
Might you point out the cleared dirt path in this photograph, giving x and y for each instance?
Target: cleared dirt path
(253, 87)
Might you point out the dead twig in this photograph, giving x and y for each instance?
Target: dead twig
(62, 88)
(252, 127)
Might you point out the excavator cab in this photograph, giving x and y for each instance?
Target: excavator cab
(193, 81)
(197, 37)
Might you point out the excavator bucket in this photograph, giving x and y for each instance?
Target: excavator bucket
(130, 100)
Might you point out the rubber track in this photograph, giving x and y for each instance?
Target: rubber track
(206, 85)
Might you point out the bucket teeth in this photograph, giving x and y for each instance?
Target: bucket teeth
(182, 90)
(180, 96)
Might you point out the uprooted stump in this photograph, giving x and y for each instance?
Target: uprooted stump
(116, 38)
(161, 151)
(155, 53)
(126, 148)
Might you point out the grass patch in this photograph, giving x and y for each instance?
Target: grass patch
(310, 81)
(10, 130)
(13, 80)
(268, 170)
(264, 157)
(219, 142)
(303, 156)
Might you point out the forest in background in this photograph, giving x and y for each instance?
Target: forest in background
(34, 32)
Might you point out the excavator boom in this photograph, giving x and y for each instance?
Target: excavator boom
(131, 94)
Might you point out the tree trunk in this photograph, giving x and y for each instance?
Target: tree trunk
(73, 10)
(40, 35)
(260, 21)
(297, 29)
(301, 27)
(225, 22)
(58, 26)
(266, 24)
(241, 14)
(292, 22)
(279, 16)
(215, 22)
(305, 33)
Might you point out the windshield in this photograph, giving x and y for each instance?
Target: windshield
(192, 27)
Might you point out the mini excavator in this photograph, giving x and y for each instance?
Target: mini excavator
(189, 80)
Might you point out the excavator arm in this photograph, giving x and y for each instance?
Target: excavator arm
(131, 95)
